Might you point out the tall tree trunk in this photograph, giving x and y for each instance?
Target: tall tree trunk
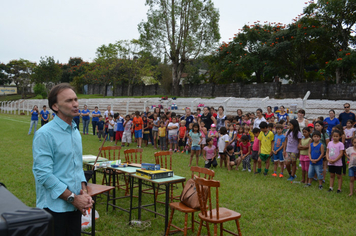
(176, 75)
(258, 77)
(129, 89)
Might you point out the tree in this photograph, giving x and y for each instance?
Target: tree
(20, 72)
(47, 72)
(337, 18)
(4, 78)
(74, 67)
(180, 30)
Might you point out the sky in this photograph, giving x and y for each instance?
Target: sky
(76, 28)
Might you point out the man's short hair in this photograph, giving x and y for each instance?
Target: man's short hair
(52, 97)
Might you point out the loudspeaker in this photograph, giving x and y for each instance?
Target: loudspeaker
(18, 219)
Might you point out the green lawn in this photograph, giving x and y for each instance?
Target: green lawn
(269, 206)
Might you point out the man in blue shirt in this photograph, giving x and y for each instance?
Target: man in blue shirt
(188, 117)
(44, 116)
(58, 166)
(347, 115)
(95, 118)
(85, 119)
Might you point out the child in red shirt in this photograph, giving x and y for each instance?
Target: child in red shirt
(182, 136)
(137, 124)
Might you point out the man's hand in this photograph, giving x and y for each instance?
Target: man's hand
(83, 202)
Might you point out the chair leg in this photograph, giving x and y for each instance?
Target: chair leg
(200, 225)
(238, 227)
(170, 222)
(207, 228)
(186, 224)
(193, 222)
(221, 229)
(215, 230)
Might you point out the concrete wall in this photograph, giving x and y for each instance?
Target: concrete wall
(319, 90)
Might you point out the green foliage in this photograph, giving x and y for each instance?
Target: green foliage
(40, 89)
(20, 72)
(47, 71)
(319, 45)
(4, 78)
(180, 30)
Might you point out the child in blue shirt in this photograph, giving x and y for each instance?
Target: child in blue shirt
(100, 128)
(316, 153)
(279, 142)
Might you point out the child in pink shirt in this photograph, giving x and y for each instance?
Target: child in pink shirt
(255, 149)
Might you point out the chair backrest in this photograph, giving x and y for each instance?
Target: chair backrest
(164, 159)
(202, 172)
(133, 155)
(111, 152)
(205, 197)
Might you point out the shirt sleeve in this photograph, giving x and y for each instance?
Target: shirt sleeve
(43, 166)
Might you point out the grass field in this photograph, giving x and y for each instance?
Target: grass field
(269, 206)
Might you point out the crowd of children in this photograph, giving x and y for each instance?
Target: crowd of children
(279, 141)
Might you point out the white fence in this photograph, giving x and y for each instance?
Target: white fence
(313, 108)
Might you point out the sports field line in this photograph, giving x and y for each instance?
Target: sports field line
(5, 118)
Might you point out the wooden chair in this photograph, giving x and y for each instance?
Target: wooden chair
(112, 153)
(218, 215)
(164, 158)
(179, 206)
(132, 156)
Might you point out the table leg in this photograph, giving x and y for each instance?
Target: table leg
(139, 198)
(112, 173)
(154, 197)
(167, 207)
(131, 195)
(93, 218)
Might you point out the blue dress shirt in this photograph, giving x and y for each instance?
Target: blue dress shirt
(57, 164)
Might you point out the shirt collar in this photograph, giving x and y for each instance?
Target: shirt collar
(63, 124)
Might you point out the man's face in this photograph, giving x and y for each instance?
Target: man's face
(347, 107)
(67, 104)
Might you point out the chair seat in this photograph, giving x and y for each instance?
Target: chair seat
(224, 215)
(182, 207)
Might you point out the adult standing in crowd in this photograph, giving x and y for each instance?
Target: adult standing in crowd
(95, 118)
(332, 121)
(269, 112)
(86, 119)
(301, 120)
(188, 117)
(259, 118)
(346, 115)
(207, 118)
(239, 115)
(220, 118)
(44, 116)
(157, 111)
(213, 112)
(108, 112)
(34, 119)
(147, 111)
(283, 115)
(58, 166)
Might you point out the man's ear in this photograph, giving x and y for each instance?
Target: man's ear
(55, 107)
